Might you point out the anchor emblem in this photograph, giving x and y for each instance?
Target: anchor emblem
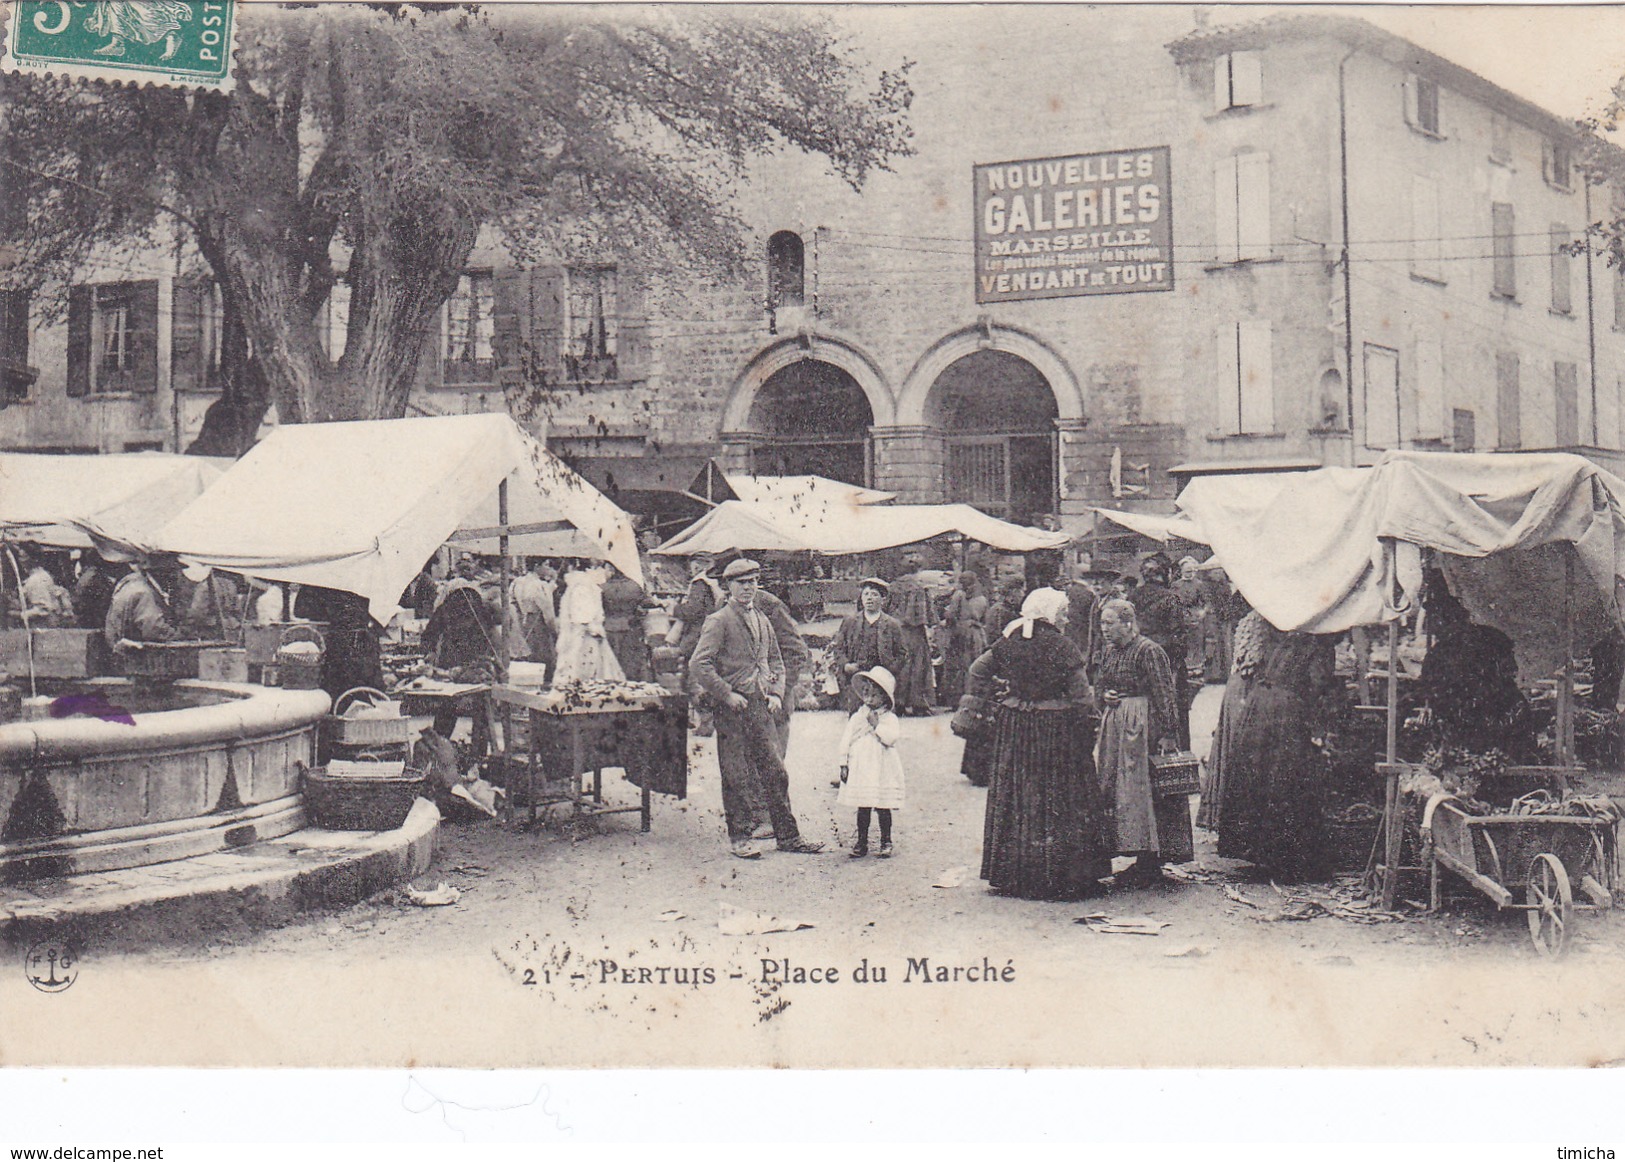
(46, 960)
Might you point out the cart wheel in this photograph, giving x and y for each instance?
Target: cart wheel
(1551, 905)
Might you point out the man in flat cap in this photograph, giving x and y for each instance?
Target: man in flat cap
(738, 665)
(870, 637)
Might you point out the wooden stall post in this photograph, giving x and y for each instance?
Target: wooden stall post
(1392, 818)
(1565, 685)
(506, 578)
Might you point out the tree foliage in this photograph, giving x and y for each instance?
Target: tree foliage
(370, 144)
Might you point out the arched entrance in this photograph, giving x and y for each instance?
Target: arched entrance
(997, 414)
(811, 418)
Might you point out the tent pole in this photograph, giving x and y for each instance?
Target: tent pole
(1392, 823)
(1565, 685)
(502, 548)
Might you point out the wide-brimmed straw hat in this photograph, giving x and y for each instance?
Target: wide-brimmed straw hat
(883, 678)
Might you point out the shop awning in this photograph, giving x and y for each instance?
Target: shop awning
(837, 528)
(1318, 551)
(124, 497)
(361, 506)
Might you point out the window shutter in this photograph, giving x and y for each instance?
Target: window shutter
(1256, 379)
(511, 291)
(548, 287)
(1221, 82)
(1253, 205)
(1246, 79)
(1412, 117)
(81, 306)
(1506, 270)
(187, 371)
(1619, 298)
(632, 353)
(1425, 227)
(1566, 401)
(1429, 422)
(1562, 291)
(1381, 397)
(1508, 402)
(1548, 162)
(144, 336)
(1225, 201)
(1227, 375)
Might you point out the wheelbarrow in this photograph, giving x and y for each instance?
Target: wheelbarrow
(1543, 857)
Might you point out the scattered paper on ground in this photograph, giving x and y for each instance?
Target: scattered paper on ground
(735, 922)
(1191, 951)
(1122, 925)
(670, 915)
(436, 897)
(952, 878)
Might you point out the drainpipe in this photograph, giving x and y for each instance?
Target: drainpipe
(1348, 274)
(1591, 316)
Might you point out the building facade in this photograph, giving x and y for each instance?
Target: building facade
(1323, 242)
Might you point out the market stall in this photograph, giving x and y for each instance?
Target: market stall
(568, 735)
(1531, 545)
(358, 507)
(74, 503)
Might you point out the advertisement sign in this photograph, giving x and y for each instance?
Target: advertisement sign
(1082, 224)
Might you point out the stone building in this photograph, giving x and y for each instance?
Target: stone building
(1349, 244)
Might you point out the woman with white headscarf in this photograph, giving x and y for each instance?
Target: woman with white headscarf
(1042, 834)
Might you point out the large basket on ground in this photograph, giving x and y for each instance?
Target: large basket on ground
(300, 669)
(340, 798)
(390, 729)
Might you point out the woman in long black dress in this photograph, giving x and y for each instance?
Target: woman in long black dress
(1274, 782)
(1041, 837)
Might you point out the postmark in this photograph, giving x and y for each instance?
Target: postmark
(185, 43)
(52, 966)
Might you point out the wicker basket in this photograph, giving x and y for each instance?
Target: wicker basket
(341, 802)
(1175, 774)
(344, 731)
(300, 671)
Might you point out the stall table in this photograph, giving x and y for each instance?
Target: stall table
(644, 734)
(425, 698)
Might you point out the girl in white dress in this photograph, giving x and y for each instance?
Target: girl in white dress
(871, 768)
(584, 652)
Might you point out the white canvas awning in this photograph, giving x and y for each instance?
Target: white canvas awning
(122, 497)
(1146, 524)
(797, 491)
(361, 506)
(1319, 551)
(834, 529)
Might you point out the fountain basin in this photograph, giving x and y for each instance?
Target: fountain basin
(204, 766)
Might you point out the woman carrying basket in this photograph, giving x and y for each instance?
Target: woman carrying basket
(1136, 685)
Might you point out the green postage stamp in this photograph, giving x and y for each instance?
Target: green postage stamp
(173, 42)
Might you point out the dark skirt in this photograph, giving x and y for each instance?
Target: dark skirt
(915, 688)
(1041, 839)
(1271, 797)
(1231, 712)
(977, 762)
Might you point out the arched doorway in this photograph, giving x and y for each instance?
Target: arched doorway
(997, 414)
(811, 418)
